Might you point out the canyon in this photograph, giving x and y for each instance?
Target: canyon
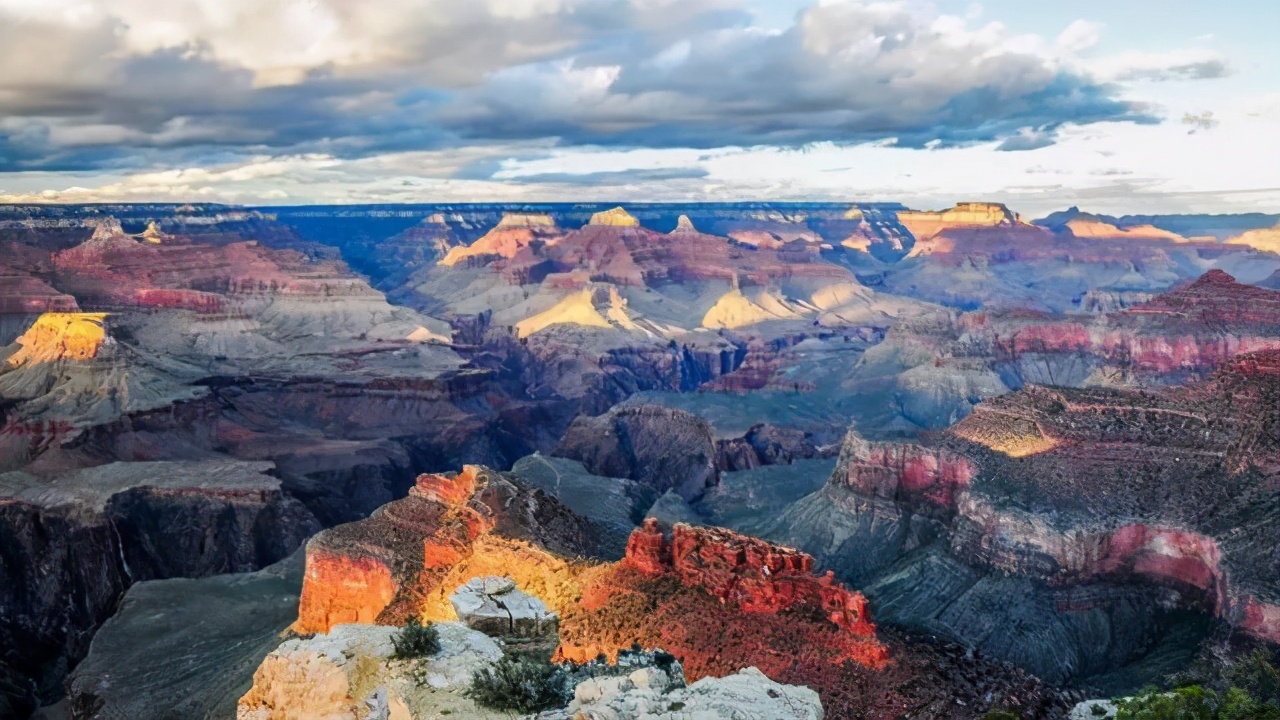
(1060, 479)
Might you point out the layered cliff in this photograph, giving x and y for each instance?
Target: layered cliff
(925, 224)
(1106, 509)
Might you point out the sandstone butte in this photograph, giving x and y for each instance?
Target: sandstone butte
(717, 600)
(926, 224)
(602, 307)
(513, 233)
(617, 217)
(1067, 485)
(61, 336)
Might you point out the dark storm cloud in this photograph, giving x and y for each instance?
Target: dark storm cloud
(642, 73)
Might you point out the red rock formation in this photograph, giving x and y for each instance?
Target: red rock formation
(636, 256)
(925, 225)
(406, 558)
(752, 574)
(717, 600)
(906, 472)
(513, 234)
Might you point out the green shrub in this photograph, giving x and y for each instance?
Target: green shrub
(1196, 703)
(1186, 703)
(1257, 676)
(416, 641)
(1001, 715)
(524, 685)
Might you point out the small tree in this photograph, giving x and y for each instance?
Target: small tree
(523, 685)
(416, 641)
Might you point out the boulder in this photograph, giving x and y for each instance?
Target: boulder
(654, 694)
(496, 607)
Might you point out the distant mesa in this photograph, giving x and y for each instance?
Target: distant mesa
(526, 220)
(1265, 239)
(926, 224)
(617, 217)
(854, 213)
(61, 336)
(513, 233)
(684, 225)
(1085, 227)
(1100, 227)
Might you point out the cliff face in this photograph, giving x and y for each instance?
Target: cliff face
(663, 448)
(939, 366)
(72, 547)
(1100, 498)
(1196, 328)
(513, 233)
(925, 225)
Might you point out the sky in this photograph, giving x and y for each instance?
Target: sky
(1117, 106)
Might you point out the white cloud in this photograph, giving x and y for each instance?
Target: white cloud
(1079, 36)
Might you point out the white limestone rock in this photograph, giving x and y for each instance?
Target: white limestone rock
(652, 694)
(496, 607)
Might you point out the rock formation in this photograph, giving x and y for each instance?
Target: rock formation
(513, 233)
(411, 555)
(1265, 240)
(349, 672)
(90, 534)
(649, 693)
(617, 217)
(925, 225)
(61, 336)
(662, 448)
(1068, 490)
(684, 225)
(497, 608)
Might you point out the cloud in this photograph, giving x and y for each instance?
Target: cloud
(613, 177)
(1079, 35)
(98, 84)
(1027, 139)
(1188, 64)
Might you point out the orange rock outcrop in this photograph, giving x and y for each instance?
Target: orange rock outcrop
(61, 336)
(408, 557)
(717, 600)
